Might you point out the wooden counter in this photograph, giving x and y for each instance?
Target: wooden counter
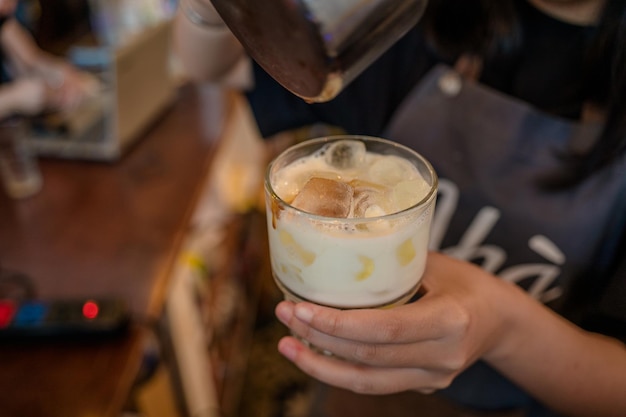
(99, 229)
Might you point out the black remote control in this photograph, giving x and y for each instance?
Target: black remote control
(62, 319)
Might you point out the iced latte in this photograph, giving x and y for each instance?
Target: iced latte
(348, 221)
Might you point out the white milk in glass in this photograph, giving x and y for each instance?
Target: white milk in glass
(349, 220)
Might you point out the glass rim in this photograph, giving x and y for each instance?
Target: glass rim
(333, 138)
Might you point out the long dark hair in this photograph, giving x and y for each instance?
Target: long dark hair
(487, 27)
(606, 65)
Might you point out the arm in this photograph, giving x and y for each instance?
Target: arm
(23, 52)
(66, 86)
(574, 371)
(205, 46)
(466, 315)
(27, 96)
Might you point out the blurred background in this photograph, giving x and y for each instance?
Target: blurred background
(135, 282)
(125, 44)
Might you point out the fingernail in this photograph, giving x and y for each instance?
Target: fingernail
(304, 313)
(283, 312)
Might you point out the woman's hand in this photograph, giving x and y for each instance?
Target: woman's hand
(420, 346)
(33, 95)
(71, 86)
(26, 96)
(465, 315)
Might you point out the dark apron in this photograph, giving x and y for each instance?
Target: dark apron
(491, 151)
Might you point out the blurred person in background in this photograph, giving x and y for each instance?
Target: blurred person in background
(520, 105)
(33, 80)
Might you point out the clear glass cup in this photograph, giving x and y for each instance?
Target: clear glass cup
(350, 262)
(19, 169)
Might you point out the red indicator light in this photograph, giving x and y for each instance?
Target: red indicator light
(7, 310)
(90, 310)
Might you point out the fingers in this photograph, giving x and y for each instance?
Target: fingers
(30, 96)
(75, 90)
(314, 320)
(431, 354)
(420, 346)
(359, 378)
(422, 320)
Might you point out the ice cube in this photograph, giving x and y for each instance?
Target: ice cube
(408, 193)
(369, 202)
(325, 197)
(392, 169)
(345, 154)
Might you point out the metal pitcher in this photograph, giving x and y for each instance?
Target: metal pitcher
(314, 48)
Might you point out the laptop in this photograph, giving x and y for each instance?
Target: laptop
(136, 86)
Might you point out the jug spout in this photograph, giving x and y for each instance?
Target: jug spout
(314, 48)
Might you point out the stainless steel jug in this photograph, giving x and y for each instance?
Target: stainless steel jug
(314, 48)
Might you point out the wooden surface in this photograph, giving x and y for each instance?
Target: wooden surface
(100, 229)
(69, 378)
